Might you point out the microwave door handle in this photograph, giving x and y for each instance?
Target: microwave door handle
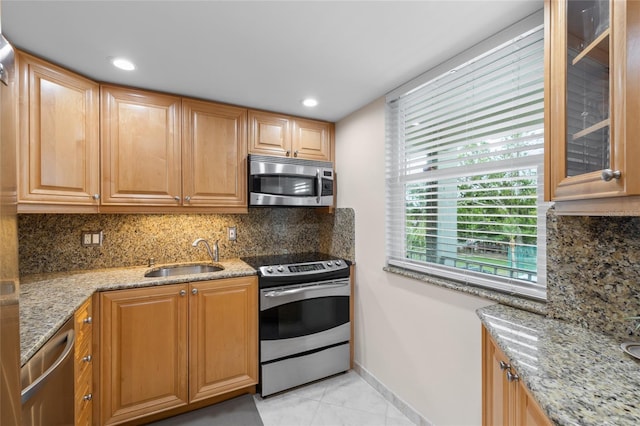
(279, 293)
(319, 185)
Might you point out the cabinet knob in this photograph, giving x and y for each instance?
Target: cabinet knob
(88, 397)
(295, 153)
(512, 377)
(504, 365)
(288, 153)
(87, 358)
(87, 320)
(183, 292)
(608, 174)
(187, 198)
(176, 198)
(96, 196)
(194, 291)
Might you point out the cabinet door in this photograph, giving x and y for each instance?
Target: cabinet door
(143, 352)
(496, 396)
(592, 98)
(223, 336)
(312, 139)
(140, 148)
(269, 134)
(214, 155)
(59, 139)
(528, 412)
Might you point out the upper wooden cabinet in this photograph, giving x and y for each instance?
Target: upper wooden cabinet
(140, 148)
(58, 165)
(592, 99)
(214, 155)
(151, 158)
(284, 136)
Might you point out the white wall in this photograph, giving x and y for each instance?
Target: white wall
(421, 341)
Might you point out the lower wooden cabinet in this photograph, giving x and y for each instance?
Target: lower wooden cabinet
(169, 346)
(83, 364)
(505, 400)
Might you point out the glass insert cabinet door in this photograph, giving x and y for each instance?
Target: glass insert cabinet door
(591, 112)
(588, 118)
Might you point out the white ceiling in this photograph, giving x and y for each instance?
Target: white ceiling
(261, 54)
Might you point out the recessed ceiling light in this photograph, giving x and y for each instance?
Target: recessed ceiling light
(310, 102)
(123, 64)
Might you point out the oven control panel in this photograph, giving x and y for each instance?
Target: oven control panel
(303, 268)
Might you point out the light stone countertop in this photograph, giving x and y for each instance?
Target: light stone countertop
(47, 301)
(579, 377)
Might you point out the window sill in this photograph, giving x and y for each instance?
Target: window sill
(496, 296)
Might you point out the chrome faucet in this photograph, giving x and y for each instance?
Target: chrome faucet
(214, 255)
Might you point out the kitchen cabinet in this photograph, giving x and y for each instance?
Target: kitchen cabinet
(58, 159)
(83, 364)
(214, 155)
(223, 336)
(505, 400)
(169, 154)
(592, 98)
(169, 346)
(141, 148)
(285, 136)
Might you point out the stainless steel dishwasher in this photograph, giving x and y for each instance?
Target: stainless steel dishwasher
(47, 382)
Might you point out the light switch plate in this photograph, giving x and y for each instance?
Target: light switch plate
(91, 238)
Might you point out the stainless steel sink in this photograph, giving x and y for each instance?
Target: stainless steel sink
(171, 270)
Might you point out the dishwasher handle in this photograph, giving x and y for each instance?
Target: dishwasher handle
(68, 337)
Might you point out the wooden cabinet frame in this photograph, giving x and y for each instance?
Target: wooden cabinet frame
(285, 136)
(58, 161)
(505, 402)
(173, 348)
(589, 193)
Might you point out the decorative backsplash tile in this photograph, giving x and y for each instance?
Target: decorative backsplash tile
(52, 242)
(593, 272)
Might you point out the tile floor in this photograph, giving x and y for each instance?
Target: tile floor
(342, 400)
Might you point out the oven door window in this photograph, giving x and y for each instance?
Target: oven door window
(304, 317)
(286, 185)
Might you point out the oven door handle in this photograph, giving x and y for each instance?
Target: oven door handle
(280, 293)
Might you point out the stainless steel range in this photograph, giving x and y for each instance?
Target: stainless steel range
(305, 331)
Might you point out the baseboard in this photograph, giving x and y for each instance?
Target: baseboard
(401, 405)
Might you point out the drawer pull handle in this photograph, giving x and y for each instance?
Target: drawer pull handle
(504, 365)
(512, 377)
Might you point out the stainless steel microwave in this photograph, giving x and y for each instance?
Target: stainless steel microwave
(279, 181)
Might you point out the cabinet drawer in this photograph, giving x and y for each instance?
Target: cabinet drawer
(83, 323)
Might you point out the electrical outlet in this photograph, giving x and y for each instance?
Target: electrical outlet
(232, 232)
(91, 238)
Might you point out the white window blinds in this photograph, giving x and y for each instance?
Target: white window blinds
(464, 171)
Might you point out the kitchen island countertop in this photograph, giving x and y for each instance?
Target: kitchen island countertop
(577, 376)
(47, 301)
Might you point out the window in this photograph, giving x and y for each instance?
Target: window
(464, 167)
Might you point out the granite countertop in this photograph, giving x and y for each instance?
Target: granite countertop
(47, 301)
(579, 377)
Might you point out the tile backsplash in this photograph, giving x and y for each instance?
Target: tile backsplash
(52, 242)
(593, 272)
